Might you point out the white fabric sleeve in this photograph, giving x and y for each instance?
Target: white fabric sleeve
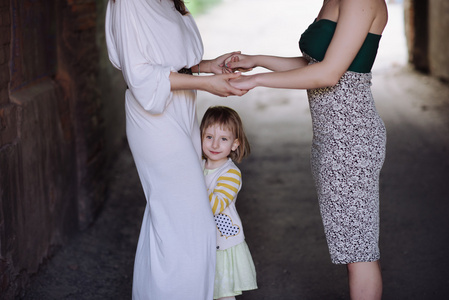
(228, 185)
(148, 82)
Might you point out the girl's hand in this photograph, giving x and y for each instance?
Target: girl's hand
(240, 62)
(244, 82)
(220, 85)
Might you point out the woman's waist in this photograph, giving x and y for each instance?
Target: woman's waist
(179, 98)
(180, 112)
(326, 134)
(341, 111)
(359, 65)
(324, 124)
(345, 122)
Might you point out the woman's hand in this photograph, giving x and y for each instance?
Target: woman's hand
(214, 84)
(240, 62)
(243, 82)
(220, 85)
(217, 65)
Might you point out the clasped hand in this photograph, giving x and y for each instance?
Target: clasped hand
(219, 84)
(228, 80)
(238, 62)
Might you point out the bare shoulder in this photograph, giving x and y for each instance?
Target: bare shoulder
(373, 10)
(381, 18)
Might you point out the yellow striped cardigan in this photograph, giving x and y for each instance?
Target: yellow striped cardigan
(223, 185)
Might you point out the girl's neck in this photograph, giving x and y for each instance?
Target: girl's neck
(211, 165)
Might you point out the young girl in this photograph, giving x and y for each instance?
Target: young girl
(224, 141)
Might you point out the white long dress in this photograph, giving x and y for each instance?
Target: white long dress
(175, 256)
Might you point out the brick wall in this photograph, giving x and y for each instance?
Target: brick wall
(56, 137)
(78, 66)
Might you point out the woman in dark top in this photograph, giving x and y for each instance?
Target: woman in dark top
(349, 137)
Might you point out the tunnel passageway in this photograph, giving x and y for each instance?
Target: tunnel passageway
(278, 203)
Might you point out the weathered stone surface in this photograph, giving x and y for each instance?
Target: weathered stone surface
(439, 39)
(416, 31)
(8, 124)
(426, 28)
(52, 129)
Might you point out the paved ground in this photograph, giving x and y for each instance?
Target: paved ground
(278, 203)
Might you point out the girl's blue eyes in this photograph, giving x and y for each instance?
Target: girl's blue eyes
(210, 137)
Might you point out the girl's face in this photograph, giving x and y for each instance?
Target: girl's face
(217, 144)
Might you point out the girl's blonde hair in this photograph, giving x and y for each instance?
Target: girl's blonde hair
(228, 119)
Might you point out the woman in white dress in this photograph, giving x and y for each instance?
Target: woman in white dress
(149, 41)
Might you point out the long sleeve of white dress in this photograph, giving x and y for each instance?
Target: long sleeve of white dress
(147, 46)
(175, 256)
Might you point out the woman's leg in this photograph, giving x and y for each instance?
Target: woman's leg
(365, 280)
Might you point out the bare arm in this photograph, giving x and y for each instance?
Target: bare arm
(354, 22)
(273, 63)
(214, 84)
(214, 66)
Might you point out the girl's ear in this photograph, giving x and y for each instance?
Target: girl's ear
(235, 145)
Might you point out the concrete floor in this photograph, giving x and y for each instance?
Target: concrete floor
(278, 204)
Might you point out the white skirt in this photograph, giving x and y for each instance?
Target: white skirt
(234, 272)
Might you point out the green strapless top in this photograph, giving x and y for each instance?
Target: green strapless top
(317, 37)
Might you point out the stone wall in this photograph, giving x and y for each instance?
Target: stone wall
(61, 123)
(112, 89)
(426, 28)
(439, 39)
(416, 32)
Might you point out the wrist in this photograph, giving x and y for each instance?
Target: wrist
(205, 66)
(257, 80)
(256, 61)
(196, 68)
(199, 68)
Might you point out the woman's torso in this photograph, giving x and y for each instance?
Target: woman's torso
(348, 107)
(318, 36)
(146, 40)
(164, 36)
(331, 11)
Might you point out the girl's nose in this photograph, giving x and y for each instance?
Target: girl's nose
(215, 144)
